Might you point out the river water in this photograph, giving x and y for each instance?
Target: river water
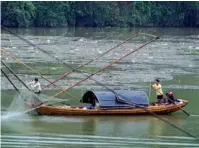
(174, 58)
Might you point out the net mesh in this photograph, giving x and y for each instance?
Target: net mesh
(27, 102)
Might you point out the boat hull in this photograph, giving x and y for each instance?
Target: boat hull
(68, 110)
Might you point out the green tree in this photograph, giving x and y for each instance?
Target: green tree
(100, 13)
(51, 14)
(17, 14)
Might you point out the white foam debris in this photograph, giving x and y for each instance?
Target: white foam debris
(133, 61)
(157, 58)
(76, 49)
(197, 48)
(99, 51)
(190, 47)
(150, 57)
(72, 51)
(54, 68)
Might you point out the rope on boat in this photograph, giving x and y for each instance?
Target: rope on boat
(10, 81)
(80, 66)
(105, 67)
(20, 62)
(157, 116)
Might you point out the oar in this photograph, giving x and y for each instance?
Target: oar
(173, 103)
(68, 73)
(150, 89)
(10, 81)
(105, 67)
(164, 120)
(152, 113)
(19, 61)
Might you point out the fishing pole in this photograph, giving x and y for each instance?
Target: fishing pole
(112, 90)
(18, 77)
(150, 89)
(55, 56)
(68, 73)
(105, 67)
(15, 75)
(10, 81)
(19, 61)
(39, 48)
(148, 34)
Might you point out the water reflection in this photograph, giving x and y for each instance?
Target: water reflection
(93, 131)
(102, 125)
(102, 32)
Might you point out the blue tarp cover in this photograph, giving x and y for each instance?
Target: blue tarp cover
(116, 99)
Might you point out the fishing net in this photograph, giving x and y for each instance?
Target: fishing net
(27, 102)
(18, 104)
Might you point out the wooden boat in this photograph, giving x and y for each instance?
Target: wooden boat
(109, 103)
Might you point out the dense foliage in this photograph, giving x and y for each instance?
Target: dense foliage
(99, 13)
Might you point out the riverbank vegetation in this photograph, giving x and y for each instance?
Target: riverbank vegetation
(100, 13)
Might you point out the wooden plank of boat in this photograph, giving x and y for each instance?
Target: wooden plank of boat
(72, 110)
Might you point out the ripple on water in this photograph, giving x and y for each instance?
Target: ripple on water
(52, 119)
(183, 86)
(95, 141)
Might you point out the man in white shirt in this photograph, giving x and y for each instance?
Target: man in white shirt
(35, 85)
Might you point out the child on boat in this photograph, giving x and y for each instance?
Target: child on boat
(171, 99)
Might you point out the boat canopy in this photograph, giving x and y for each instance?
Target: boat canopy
(116, 99)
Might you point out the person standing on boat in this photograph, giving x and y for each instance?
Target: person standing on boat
(35, 85)
(158, 88)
